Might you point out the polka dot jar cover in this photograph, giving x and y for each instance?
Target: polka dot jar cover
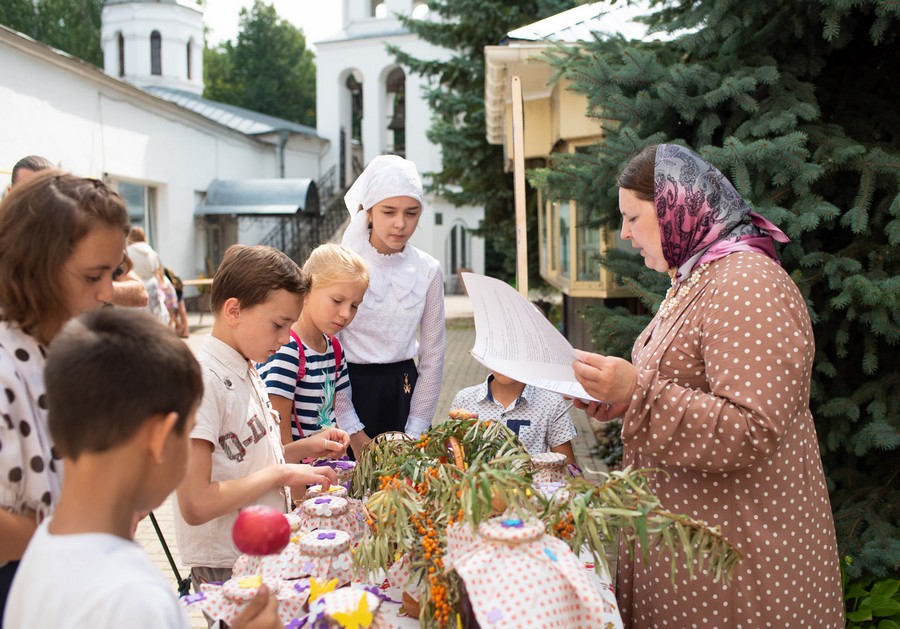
(330, 512)
(517, 576)
(549, 467)
(224, 602)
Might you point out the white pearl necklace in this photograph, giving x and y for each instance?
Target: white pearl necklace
(678, 290)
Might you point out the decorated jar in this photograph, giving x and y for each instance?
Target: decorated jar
(224, 602)
(517, 576)
(322, 555)
(335, 491)
(549, 467)
(327, 512)
(344, 469)
(555, 491)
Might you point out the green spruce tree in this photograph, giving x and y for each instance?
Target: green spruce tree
(797, 102)
(471, 169)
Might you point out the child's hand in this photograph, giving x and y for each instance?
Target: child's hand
(260, 613)
(357, 441)
(305, 475)
(331, 442)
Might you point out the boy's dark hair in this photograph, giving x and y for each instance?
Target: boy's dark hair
(109, 371)
(252, 274)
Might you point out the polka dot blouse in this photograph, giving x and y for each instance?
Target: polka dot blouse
(30, 471)
(722, 406)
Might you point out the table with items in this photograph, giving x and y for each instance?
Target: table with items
(460, 528)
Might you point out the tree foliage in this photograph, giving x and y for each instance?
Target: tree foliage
(70, 25)
(792, 100)
(267, 69)
(471, 169)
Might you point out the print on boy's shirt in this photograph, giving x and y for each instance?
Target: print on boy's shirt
(236, 450)
(516, 424)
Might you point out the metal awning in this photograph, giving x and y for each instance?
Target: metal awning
(260, 197)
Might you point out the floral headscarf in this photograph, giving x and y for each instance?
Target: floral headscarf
(702, 217)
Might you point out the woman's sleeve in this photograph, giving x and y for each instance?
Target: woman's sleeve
(344, 411)
(432, 339)
(757, 350)
(16, 427)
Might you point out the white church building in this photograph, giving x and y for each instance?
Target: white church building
(200, 175)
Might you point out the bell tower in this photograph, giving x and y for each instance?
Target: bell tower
(154, 43)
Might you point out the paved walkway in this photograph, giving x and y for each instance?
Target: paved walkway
(460, 370)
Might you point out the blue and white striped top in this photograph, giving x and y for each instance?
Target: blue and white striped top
(279, 374)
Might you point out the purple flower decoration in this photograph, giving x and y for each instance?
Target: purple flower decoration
(322, 501)
(190, 599)
(295, 623)
(326, 535)
(308, 567)
(550, 554)
(301, 587)
(495, 615)
(512, 523)
(373, 589)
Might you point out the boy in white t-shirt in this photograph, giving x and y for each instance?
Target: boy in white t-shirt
(237, 458)
(121, 394)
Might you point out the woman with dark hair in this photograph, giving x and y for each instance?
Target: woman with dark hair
(61, 239)
(717, 397)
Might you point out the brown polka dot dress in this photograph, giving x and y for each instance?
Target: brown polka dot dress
(722, 406)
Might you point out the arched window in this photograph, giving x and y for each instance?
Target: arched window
(155, 53)
(420, 10)
(379, 9)
(189, 61)
(121, 41)
(396, 100)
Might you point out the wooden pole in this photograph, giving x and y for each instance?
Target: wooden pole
(518, 132)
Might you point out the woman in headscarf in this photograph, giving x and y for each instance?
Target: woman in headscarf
(717, 397)
(402, 314)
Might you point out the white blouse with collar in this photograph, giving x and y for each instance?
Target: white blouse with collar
(405, 298)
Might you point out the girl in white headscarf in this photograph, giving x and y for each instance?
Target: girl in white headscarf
(405, 300)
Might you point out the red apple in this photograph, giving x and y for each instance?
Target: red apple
(260, 530)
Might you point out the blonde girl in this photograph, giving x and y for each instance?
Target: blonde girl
(307, 379)
(401, 317)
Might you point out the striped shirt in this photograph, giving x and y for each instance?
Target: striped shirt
(279, 374)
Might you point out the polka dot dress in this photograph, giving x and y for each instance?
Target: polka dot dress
(722, 406)
(30, 469)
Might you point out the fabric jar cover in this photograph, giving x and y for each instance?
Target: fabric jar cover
(224, 602)
(555, 491)
(549, 467)
(517, 576)
(335, 491)
(323, 555)
(343, 468)
(329, 512)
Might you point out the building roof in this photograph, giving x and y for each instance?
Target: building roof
(237, 118)
(580, 23)
(521, 54)
(260, 197)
